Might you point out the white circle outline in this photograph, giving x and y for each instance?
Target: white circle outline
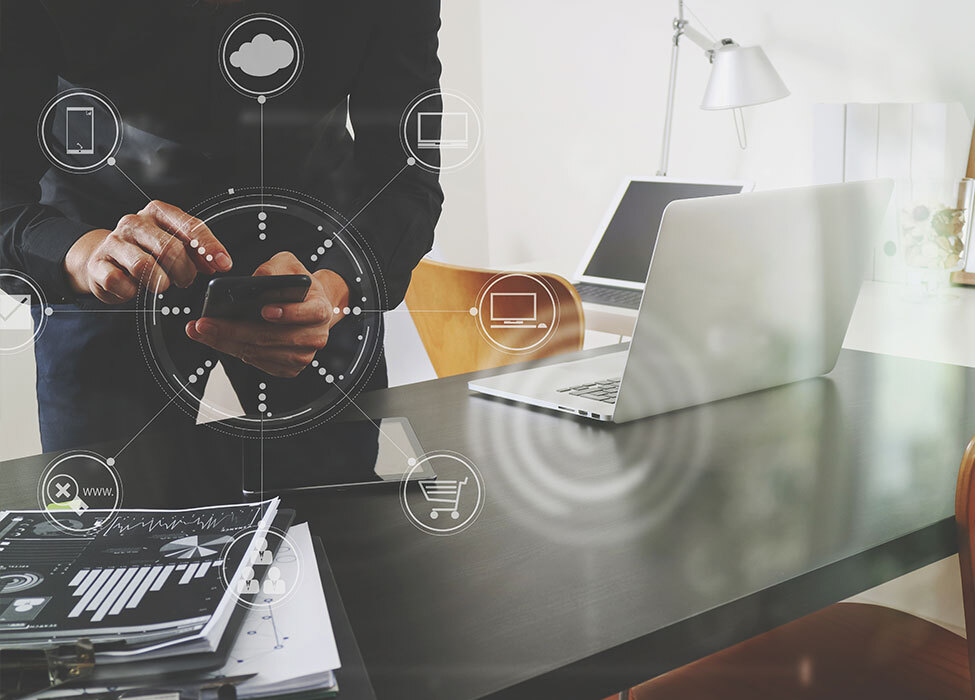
(257, 531)
(481, 295)
(302, 419)
(42, 135)
(405, 140)
(41, 299)
(406, 480)
(42, 486)
(299, 55)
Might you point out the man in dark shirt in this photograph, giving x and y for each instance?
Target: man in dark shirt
(88, 239)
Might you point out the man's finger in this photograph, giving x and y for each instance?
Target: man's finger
(169, 251)
(283, 263)
(208, 253)
(260, 334)
(310, 311)
(109, 283)
(141, 266)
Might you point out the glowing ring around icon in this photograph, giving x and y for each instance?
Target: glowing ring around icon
(46, 147)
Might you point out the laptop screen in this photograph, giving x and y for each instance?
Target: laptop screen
(625, 249)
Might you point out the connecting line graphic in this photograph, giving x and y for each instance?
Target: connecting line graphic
(113, 459)
(177, 224)
(261, 103)
(373, 198)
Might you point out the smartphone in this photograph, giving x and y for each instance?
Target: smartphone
(243, 297)
(79, 127)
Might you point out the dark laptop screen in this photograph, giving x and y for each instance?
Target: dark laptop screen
(624, 252)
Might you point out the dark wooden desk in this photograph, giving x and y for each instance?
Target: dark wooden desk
(608, 554)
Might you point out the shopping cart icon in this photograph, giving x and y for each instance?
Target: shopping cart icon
(443, 491)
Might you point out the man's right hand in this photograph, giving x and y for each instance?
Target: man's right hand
(153, 248)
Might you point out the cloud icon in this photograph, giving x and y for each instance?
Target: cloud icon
(263, 56)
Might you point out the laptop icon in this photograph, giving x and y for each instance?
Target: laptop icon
(514, 310)
(452, 131)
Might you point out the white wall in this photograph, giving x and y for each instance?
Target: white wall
(574, 94)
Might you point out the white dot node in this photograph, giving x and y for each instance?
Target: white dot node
(363, 298)
(473, 311)
(262, 397)
(341, 376)
(269, 414)
(320, 228)
(346, 311)
(110, 461)
(261, 99)
(201, 250)
(209, 258)
(356, 310)
(360, 337)
(328, 243)
(186, 309)
(261, 226)
(411, 161)
(321, 250)
(336, 310)
(411, 462)
(262, 236)
(329, 378)
(314, 258)
(48, 311)
(262, 386)
(262, 407)
(262, 215)
(314, 363)
(175, 310)
(208, 363)
(200, 371)
(194, 243)
(164, 311)
(192, 379)
(111, 160)
(322, 371)
(230, 190)
(160, 296)
(358, 279)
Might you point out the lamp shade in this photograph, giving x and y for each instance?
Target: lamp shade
(741, 76)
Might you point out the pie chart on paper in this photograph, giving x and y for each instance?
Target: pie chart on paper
(193, 546)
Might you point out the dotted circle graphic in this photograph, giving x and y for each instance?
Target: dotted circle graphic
(56, 470)
(108, 158)
(35, 288)
(337, 373)
(249, 22)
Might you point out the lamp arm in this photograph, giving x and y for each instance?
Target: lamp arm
(681, 28)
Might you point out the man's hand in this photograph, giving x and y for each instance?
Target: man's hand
(286, 341)
(152, 248)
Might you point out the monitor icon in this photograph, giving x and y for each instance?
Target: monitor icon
(453, 131)
(514, 310)
(79, 136)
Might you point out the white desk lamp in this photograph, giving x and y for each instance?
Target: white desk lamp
(740, 76)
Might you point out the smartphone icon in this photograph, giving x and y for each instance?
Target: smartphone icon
(79, 135)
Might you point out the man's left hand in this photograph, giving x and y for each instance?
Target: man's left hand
(286, 340)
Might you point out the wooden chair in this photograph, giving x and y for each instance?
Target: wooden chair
(848, 651)
(440, 297)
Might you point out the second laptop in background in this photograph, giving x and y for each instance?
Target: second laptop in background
(614, 267)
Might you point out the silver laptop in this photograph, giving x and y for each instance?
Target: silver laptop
(744, 292)
(614, 266)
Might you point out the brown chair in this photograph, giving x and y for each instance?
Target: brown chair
(846, 651)
(441, 296)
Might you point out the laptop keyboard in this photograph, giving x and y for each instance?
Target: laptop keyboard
(604, 390)
(610, 296)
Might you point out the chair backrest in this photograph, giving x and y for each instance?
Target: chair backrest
(453, 341)
(965, 522)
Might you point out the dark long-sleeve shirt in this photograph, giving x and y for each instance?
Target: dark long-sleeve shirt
(189, 135)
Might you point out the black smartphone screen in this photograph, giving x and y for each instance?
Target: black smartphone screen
(243, 297)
